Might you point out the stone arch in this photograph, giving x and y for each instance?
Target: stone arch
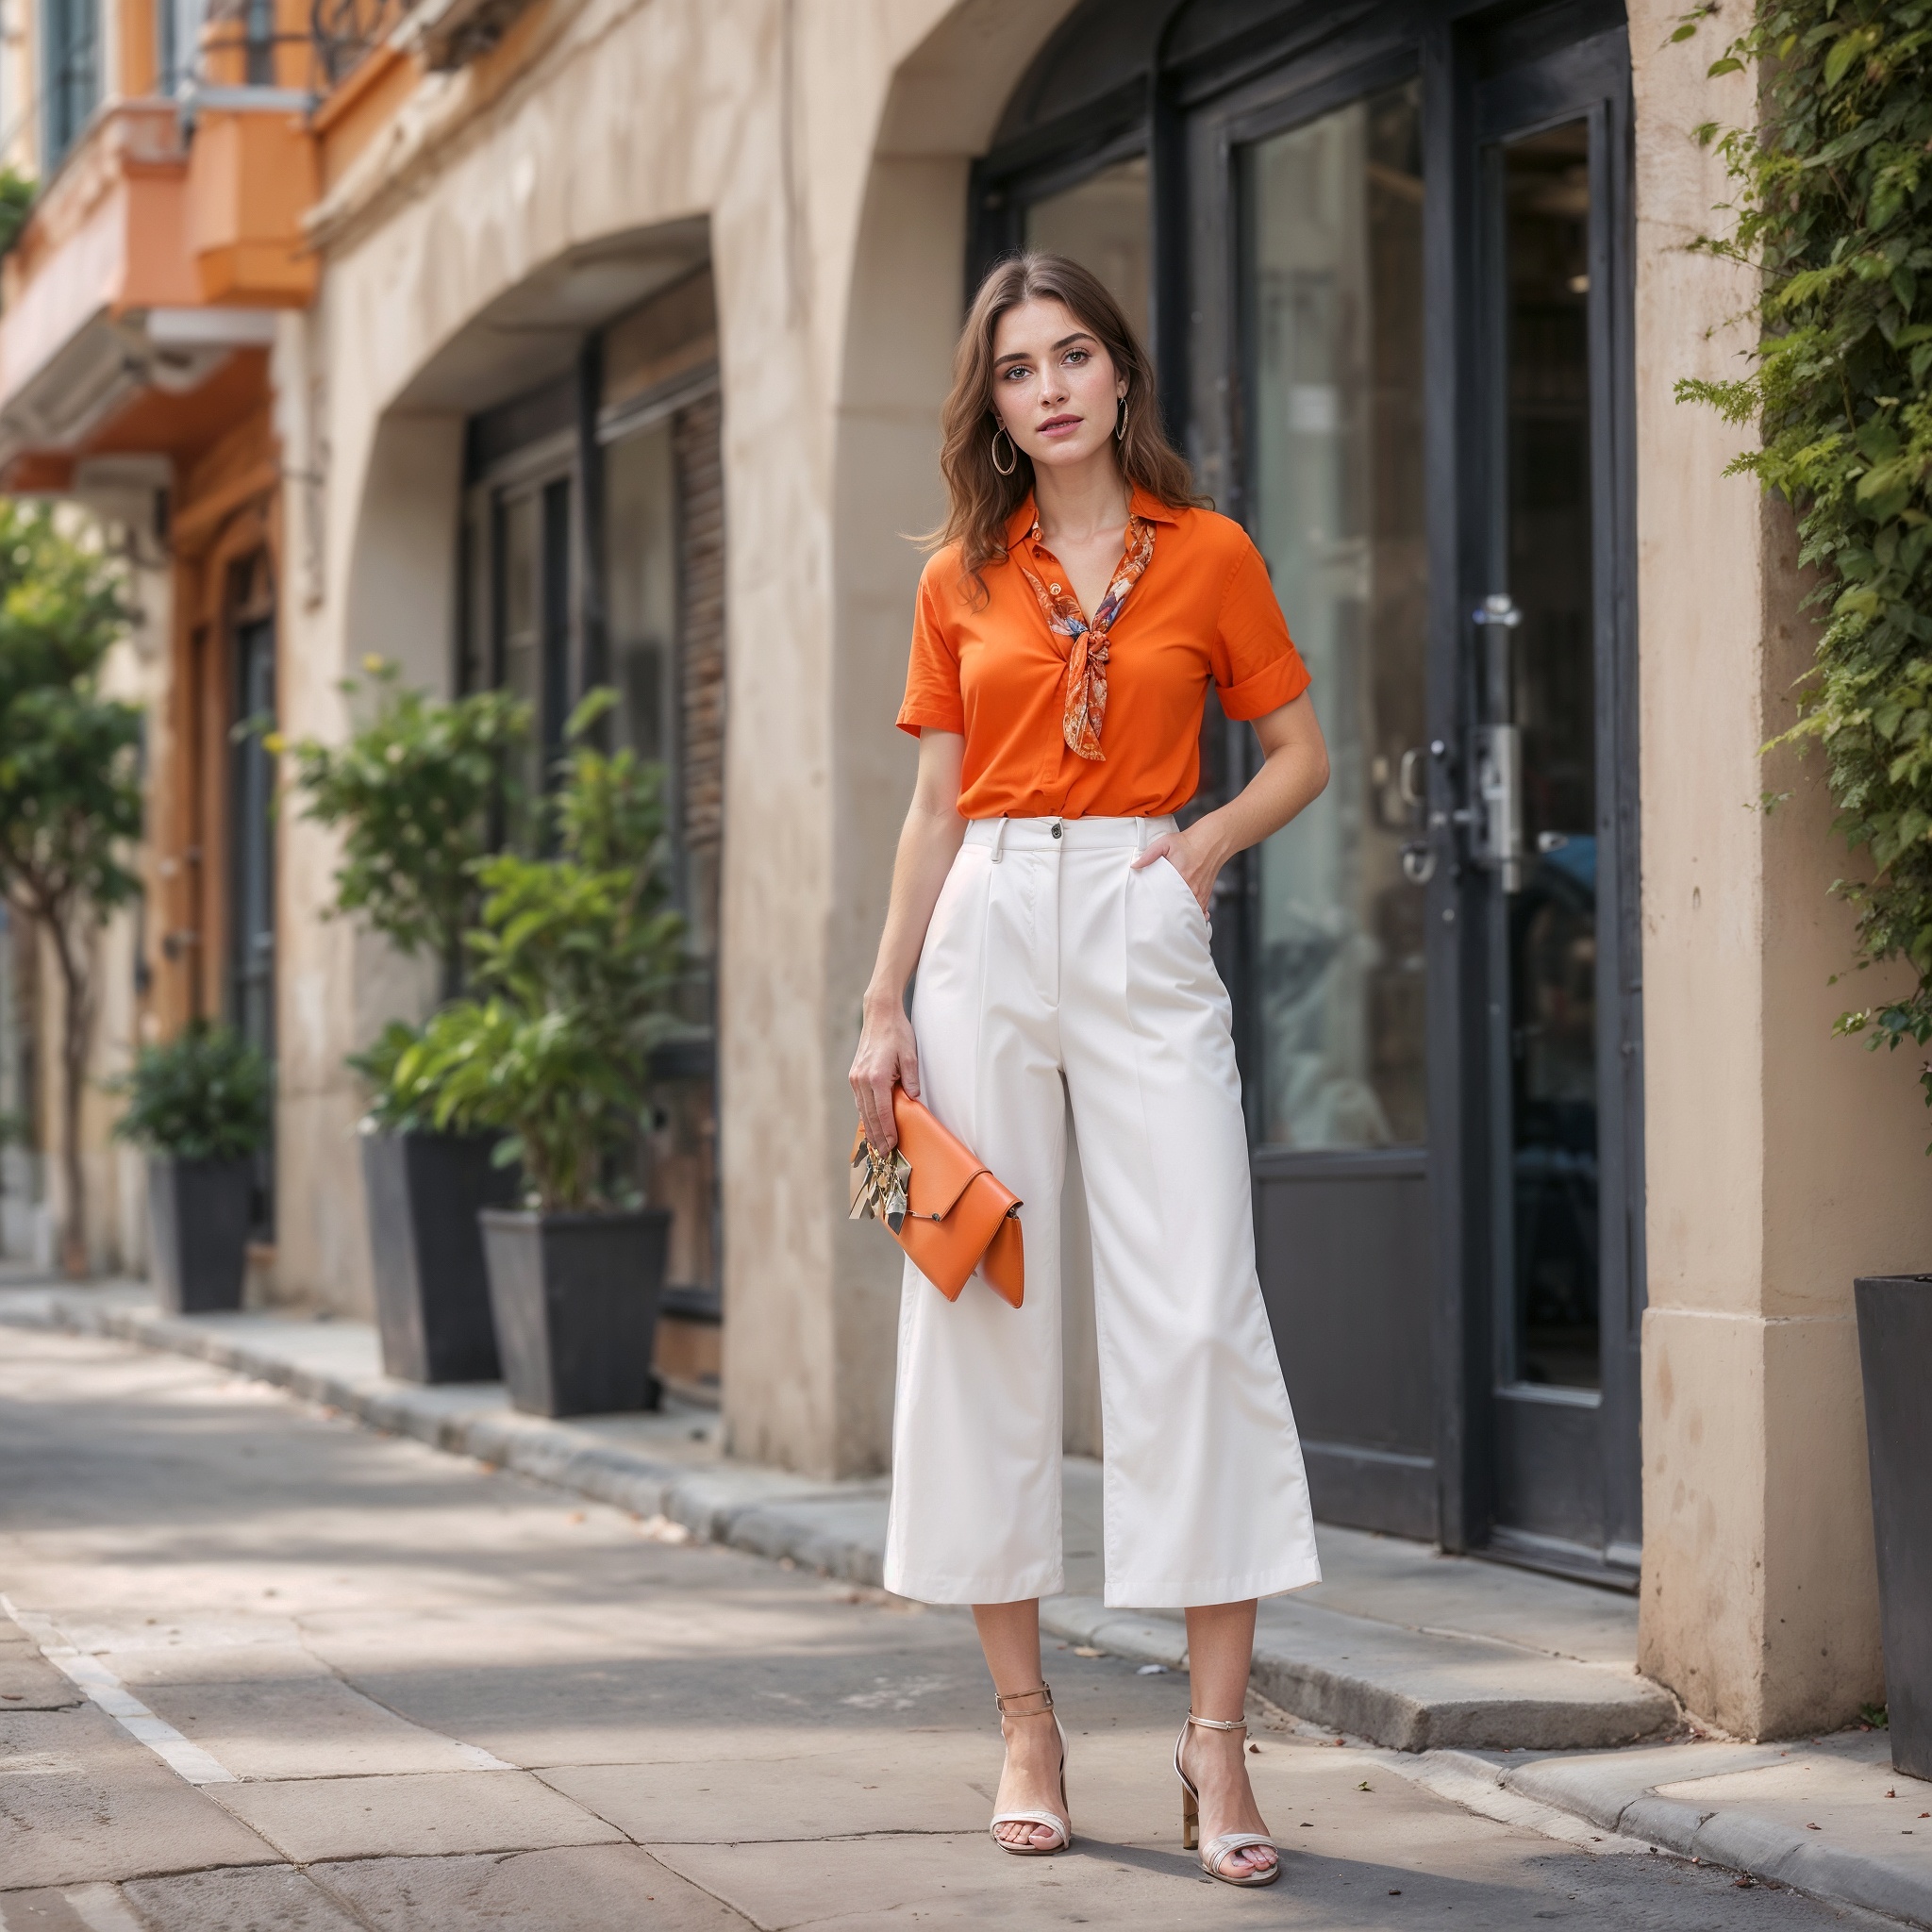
(905, 295)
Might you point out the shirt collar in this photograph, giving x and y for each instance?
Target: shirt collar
(1020, 525)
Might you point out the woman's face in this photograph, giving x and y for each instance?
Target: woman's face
(1055, 387)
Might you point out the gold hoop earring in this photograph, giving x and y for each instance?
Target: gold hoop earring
(1005, 469)
(1120, 424)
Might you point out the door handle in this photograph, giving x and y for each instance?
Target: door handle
(1495, 821)
(1419, 853)
(1496, 826)
(1409, 792)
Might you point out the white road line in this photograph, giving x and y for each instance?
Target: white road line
(104, 1689)
(479, 1759)
(100, 1909)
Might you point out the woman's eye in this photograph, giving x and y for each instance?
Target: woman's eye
(1079, 355)
(1016, 371)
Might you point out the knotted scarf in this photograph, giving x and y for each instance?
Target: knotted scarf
(1087, 647)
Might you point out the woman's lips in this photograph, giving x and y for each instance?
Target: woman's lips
(1058, 426)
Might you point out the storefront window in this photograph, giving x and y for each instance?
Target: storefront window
(1334, 329)
(1102, 223)
(663, 608)
(640, 605)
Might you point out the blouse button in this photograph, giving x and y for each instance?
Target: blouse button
(1055, 590)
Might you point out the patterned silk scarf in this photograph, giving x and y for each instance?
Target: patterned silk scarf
(1086, 648)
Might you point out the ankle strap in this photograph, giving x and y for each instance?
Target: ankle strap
(1216, 1723)
(1012, 1697)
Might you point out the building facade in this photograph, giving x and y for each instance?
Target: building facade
(600, 341)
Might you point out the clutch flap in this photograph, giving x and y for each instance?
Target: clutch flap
(943, 1168)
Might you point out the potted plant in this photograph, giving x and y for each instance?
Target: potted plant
(199, 1107)
(420, 792)
(1895, 1347)
(423, 1189)
(578, 964)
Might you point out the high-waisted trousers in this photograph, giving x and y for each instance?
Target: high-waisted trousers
(1054, 971)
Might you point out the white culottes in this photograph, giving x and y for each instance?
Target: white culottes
(1049, 960)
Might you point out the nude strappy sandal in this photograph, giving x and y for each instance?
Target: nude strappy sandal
(1062, 1822)
(1215, 1853)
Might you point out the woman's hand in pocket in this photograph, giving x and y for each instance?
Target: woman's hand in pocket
(887, 1057)
(1195, 854)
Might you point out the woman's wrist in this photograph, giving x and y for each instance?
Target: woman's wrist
(1211, 830)
(881, 999)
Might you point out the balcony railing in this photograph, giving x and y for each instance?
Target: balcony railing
(273, 48)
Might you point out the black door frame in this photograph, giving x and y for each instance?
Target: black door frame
(1280, 66)
(1586, 78)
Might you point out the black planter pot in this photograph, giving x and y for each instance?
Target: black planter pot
(576, 1299)
(432, 1290)
(197, 1213)
(1895, 1349)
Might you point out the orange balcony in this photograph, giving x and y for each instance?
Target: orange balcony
(105, 318)
(251, 179)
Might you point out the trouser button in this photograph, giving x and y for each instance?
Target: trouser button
(1056, 828)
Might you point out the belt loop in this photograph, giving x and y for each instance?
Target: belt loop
(999, 839)
(1139, 836)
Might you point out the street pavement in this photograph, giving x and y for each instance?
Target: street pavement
(262, 1668)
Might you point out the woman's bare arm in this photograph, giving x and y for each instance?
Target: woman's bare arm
(928, 843)
(1294, 771)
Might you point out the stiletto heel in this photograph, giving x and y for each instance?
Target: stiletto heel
(1217, 1851)
(1060, 1824)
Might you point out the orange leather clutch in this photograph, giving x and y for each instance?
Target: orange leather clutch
(942, 1204)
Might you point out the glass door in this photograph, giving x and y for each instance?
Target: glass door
(1549, 763)
(1325, 342)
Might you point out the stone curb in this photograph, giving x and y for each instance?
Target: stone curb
(1422, 1692)
(1601, 1791)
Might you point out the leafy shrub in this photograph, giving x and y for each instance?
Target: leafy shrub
(579, 963)
(419, 792)
(205, 1095)
(1835, 212)
(396, 1105)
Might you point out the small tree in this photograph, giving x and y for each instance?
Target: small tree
(69, 786)
(417, 791)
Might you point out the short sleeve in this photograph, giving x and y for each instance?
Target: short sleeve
(1256, 667)
(932, 674)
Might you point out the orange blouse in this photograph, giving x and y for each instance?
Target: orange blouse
(1204, 610)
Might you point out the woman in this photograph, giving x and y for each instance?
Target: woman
(1065, 637)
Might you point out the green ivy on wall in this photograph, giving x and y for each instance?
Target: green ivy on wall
(1834, 211)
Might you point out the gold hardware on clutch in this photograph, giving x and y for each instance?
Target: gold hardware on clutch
(878, 1186)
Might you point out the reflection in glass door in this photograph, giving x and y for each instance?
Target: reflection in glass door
(1335, 483)
(1328, 236)
(1102, 223)
(1543, 675)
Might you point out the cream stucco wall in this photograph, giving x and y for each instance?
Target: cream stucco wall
(1781, 1162)
(826, 150)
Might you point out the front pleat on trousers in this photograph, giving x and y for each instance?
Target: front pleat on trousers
(1053, 970)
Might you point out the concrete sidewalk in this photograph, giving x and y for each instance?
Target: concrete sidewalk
(1457, 1667)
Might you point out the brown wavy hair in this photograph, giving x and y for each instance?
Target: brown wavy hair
(982, 500)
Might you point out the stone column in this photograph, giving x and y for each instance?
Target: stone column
(1780, 1162)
